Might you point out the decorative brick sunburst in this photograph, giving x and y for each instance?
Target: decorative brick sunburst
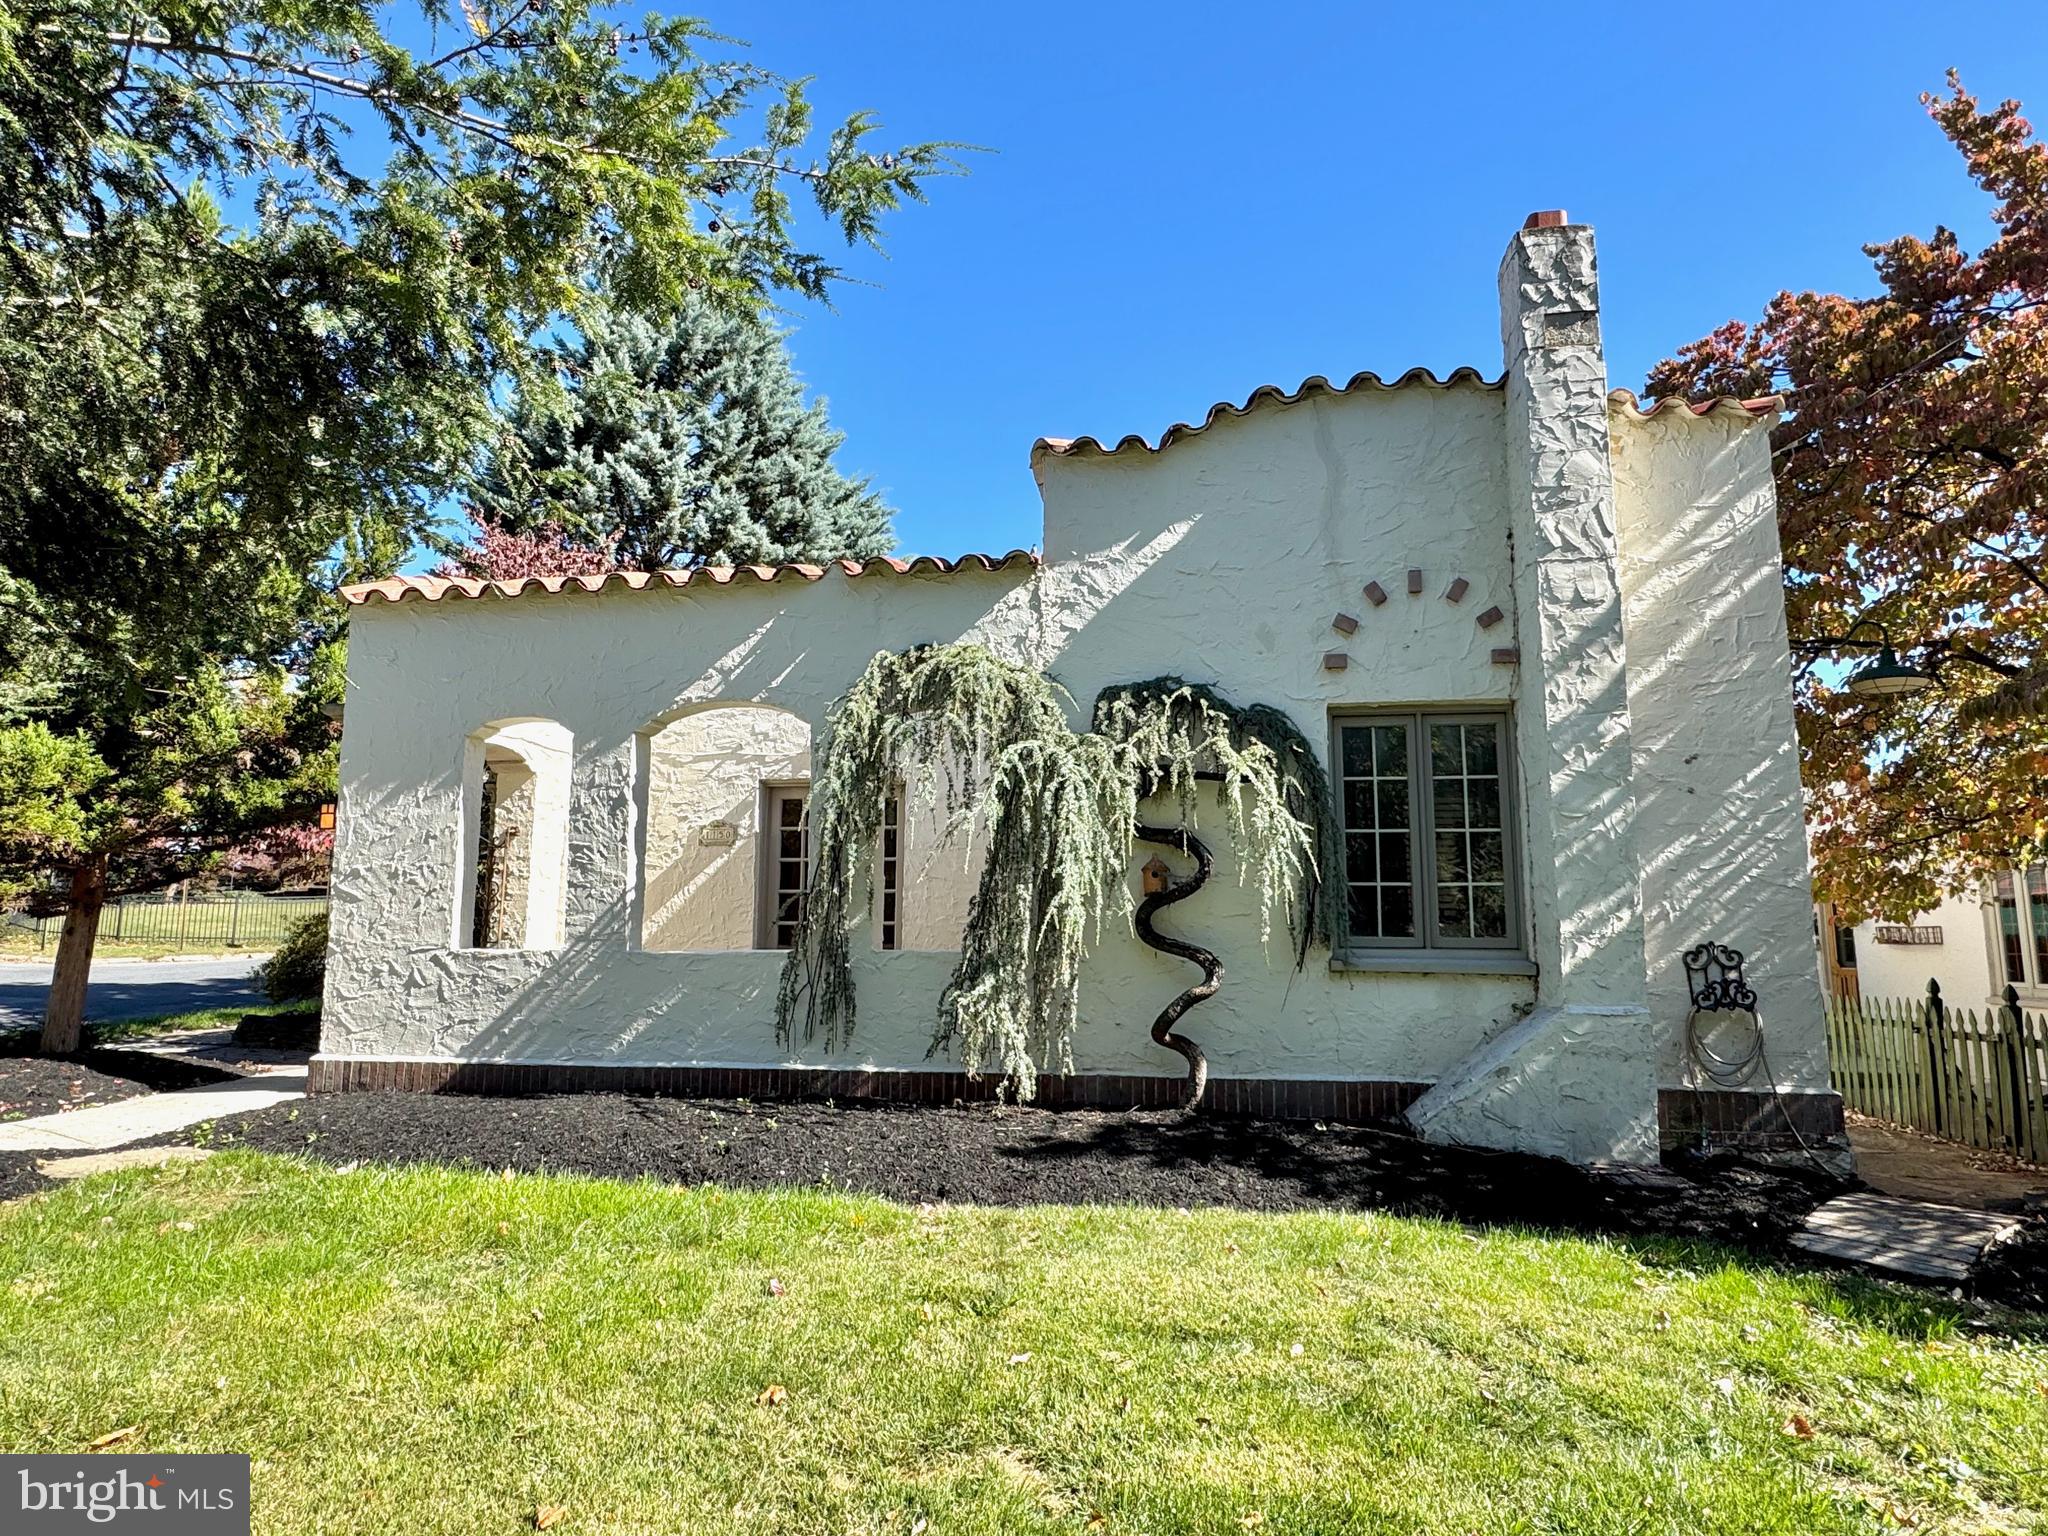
(1414, 581)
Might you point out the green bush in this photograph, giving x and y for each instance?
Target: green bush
(299, 967)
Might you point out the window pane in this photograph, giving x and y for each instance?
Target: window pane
(1447, 802)
(1452, 866)
(2037, 905)
(1471, 846)
(1362, 863)
(2009, 930)
(1393, 803)
(1482, 802)
(788, 813)
(1446, 750)
(1365, 911)
(1390, 750)
(1394, 860)
(1489, 912)
(1487, 853)
(1356, 741)
(1358, 803)
(1454, 911)
(1378, 807)
(1397, 912)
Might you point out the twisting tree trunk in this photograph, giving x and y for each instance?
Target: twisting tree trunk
(1212, 969)
(64, 1020)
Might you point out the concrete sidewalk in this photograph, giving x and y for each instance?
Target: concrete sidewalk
(126, 1121)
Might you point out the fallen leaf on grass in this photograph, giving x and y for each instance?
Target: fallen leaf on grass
(113, 1439)
(774, 1395)
(1023, 1359)
(1662, 1323)
(1252, 1521)
(1798, 1426)
(776, 1287)
(548, 1516)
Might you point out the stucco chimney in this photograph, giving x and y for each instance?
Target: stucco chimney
(1573, 723)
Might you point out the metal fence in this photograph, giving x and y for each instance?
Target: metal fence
(1976, 1077)
(216, 920)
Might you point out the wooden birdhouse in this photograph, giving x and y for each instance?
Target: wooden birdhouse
(1158, 875)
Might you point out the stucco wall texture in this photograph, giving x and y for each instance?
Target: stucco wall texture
(1634, 560)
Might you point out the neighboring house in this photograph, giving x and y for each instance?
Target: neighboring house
(1540, 630)
(1975, 945)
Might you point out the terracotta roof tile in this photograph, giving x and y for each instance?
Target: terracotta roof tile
(432, 589)
(1755, 409)
(1265, 394)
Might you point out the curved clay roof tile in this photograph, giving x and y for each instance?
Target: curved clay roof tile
(1265, 394)
(432, 589)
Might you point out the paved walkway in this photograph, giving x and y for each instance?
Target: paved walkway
(1895, 1161)
(106, 1126)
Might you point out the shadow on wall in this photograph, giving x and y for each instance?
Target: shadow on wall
(1707, 660)
(703, 784)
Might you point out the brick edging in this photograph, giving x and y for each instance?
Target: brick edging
(1269, 1098)
(1745, 1119)
(1760, 1120)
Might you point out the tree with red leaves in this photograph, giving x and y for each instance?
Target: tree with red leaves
(498, 553)
(1912, 478)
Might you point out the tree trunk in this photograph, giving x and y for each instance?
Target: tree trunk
(1212, 968)
(64, 1021)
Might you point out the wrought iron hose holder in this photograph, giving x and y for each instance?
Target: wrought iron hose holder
(1714, 979)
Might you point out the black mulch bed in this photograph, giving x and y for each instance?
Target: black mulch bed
(18, 1175)
(986, 1155)
(280, 1031)
(2016, 1271)
(47, 1085)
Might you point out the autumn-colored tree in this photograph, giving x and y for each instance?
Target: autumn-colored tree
(495, 552)
(1912, 478)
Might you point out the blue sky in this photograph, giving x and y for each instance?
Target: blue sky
(1188, 202)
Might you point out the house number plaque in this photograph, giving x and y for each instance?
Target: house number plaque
(718, 834)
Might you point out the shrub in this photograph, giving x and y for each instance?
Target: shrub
(299, 967)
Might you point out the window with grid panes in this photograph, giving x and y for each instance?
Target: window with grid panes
(788, 866)
(888, 873)
(1428, 830)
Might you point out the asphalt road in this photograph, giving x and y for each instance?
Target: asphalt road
(131, 989)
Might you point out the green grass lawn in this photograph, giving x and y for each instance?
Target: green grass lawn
(126, 1031)
(434, 1351)
(17, 945)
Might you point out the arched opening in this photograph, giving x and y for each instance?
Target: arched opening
(516, 842)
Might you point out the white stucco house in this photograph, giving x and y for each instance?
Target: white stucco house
(1540, 630)
(1974, 944)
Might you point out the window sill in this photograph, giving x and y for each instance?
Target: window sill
(1427, 962)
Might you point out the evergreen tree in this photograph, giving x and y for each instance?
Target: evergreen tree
(678, 445)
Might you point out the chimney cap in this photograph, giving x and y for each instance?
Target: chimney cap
(1547, 218)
